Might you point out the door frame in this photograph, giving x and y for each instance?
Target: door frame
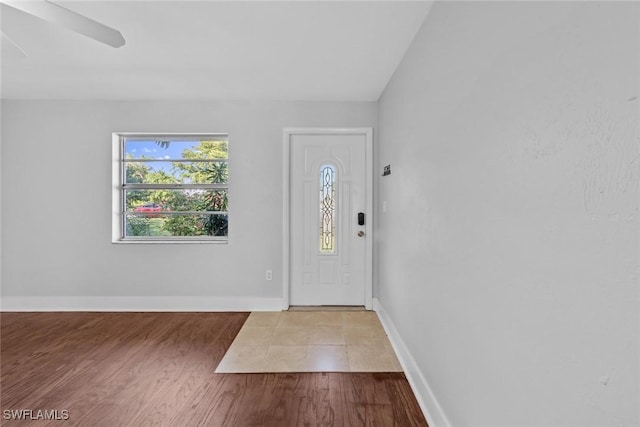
(286, 205)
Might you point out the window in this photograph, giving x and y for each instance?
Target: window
(327, 210)
(171, 188)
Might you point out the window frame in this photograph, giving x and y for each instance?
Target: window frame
(119, 187)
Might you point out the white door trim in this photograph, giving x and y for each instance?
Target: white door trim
(286, 208)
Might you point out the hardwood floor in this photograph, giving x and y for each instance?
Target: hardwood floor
(148, 369)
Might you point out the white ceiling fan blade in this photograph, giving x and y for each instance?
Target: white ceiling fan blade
(64, 17)
(17, 49)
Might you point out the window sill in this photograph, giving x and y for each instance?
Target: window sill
(170, 241)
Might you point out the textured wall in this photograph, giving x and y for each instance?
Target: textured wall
(56, 197)
(508, 253)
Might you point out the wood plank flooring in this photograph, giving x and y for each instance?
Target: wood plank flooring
(148, 369)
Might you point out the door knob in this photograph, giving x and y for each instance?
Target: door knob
(360, 233)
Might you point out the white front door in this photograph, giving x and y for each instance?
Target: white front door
(329, 219)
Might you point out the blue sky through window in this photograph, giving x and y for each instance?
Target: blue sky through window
(138, 149)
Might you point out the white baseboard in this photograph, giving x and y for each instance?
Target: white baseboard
(426, 399)
(163, 303)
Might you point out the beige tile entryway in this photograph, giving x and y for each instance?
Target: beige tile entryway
(311, 341)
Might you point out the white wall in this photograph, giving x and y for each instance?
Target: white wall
(56, 198)
(509, 250)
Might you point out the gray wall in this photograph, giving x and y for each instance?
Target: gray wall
(509, 249)
(56, 197)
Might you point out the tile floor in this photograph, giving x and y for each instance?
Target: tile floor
(310, 341)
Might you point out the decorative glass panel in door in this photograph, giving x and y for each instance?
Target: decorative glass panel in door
(327, 209)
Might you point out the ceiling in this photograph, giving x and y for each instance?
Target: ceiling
(264, 50)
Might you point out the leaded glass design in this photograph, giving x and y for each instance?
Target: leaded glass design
(327, 209)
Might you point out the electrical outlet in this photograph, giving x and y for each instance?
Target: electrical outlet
(269, 275)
